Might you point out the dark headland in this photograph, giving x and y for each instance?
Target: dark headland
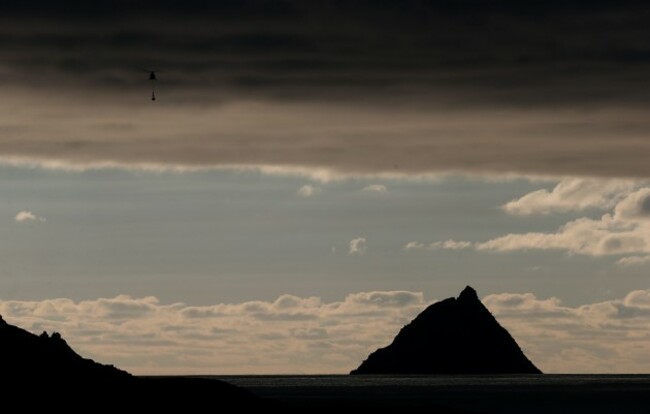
(453, 336)
(43, 371)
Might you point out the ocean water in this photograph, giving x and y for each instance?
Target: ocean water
(562, 380)
(524, 394)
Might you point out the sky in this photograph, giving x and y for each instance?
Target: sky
(314, 174)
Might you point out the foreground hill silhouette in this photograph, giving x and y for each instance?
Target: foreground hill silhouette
(24, 354)
(48, 369)
(453, 336)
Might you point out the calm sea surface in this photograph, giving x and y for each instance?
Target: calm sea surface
(521, 394)
(297, 381)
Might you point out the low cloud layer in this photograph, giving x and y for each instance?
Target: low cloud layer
(289, 335)
(394, 88)
(307, 335)
(609, 336)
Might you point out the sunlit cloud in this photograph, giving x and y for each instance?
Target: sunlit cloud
(26, 216)
(609, 336)
(294, 334)
(635, 207)
(307, 191)
(439, 245)
(288, 335)
(572, 194)
(634, 261)
(374, 188)
(623, 231)
(414, 245)
(357, 246)
(450, 245)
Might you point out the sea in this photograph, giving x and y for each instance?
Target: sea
(521, 394)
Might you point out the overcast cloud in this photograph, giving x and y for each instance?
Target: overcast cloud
(410, 87)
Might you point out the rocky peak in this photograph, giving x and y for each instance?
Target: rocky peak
(468, 295)
(453, 336)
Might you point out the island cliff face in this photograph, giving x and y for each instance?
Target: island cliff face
(25, 355)
(42, 371)
(453, 336)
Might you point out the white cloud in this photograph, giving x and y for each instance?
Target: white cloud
(534, 268)
(638, 299)
(572, 194)
(439, 245)
(518, 303)
(27, 216)
(635, 207)
(308, 191)
(374, 188)
(625, 231)
(414, 245)
(583, 236)
(450, 245)
(357, 246)
(397, 298)
(306, 334)
(633, 261)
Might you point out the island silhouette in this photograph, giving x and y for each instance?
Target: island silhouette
(47, 369)
(453, 336)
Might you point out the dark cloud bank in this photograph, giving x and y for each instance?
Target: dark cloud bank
(554, 87)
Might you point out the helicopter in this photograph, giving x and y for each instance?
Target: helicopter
(153, 79)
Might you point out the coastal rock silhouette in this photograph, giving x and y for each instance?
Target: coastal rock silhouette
(48, 368)
(25, 355)
(453, 336)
